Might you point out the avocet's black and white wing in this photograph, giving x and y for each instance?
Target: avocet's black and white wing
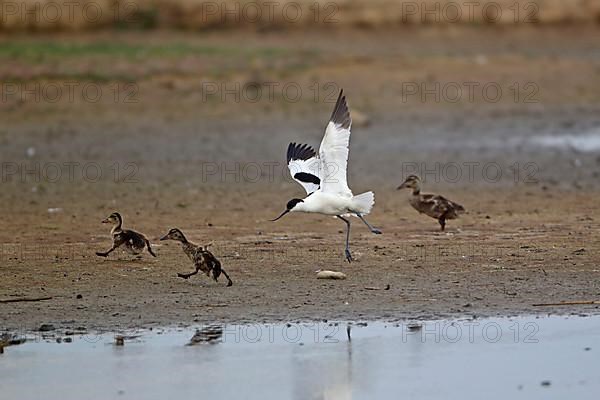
(334, 150)
(304, 166)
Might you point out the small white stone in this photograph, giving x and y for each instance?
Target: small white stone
(330, 275)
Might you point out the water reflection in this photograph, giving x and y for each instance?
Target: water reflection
(496, 358)
(327, 376)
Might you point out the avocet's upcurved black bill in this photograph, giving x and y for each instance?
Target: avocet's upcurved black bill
(281, 215)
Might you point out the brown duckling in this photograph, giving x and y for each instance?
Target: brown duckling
(203, 259)
(434, 205)
(134, 242)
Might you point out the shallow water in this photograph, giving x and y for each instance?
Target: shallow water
(588, 142)
(525, 357)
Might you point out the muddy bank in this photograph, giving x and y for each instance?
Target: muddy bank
(215, 168)
(513, 249)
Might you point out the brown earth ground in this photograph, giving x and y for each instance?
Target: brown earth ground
(523, 241)
(497, 266)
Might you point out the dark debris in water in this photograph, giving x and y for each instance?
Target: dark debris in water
(209, 334)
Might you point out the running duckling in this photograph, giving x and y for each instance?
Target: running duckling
(434, 205)
(203, 259)
(134, 242)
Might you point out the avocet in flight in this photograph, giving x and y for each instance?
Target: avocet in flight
(323, 175)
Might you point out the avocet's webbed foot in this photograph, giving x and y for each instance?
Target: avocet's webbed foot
(348, 255)
(371, 228)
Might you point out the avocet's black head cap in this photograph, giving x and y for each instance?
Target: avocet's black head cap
(291, 204)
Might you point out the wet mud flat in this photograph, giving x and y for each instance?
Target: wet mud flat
(521, 357)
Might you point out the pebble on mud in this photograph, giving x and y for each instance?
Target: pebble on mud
(119, 341)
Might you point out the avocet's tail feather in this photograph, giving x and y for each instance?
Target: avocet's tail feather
(363, 203)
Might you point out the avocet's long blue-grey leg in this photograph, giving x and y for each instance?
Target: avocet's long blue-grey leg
(374, 230)
(347, 250)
